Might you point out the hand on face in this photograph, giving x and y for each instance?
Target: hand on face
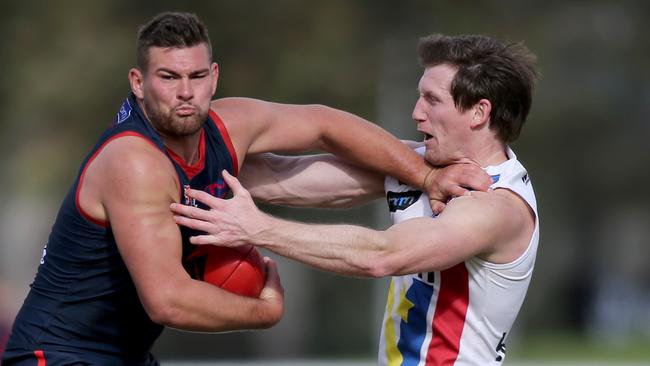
(230, 223)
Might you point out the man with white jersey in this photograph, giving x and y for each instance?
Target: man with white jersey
(460, 276)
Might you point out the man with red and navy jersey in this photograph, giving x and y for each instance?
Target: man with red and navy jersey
(459, 277)
(111, 275)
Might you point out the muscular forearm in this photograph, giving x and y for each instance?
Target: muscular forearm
(370, 146)
(199, 306)
(345, 249)
(309, 181)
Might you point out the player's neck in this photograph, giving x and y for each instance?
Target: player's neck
(490, 153)
(187, 147)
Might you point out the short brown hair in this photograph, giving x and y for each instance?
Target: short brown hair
(170, 29)
(504, 74)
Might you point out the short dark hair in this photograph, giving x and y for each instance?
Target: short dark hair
(170, 29)
(503, 73)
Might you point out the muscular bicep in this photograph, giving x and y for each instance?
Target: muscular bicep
(136, 195)
(491, 226)
(312, 180)
(257, 126)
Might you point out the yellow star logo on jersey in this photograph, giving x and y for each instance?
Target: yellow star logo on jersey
(404, 306)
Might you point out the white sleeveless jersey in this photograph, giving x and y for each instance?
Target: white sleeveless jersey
(462, 315)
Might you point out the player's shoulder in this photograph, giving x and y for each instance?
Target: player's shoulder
(237, 105)
(496, 199)
(133, 156)
(126, 169)
(496, 216)
(496, 205)
(235, 111)
(500, 207)
(244, 118)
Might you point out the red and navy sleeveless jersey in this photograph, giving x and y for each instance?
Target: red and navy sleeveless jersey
(83, 305)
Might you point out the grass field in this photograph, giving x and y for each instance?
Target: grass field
(370, 363)
(543, 350)
(581, 350)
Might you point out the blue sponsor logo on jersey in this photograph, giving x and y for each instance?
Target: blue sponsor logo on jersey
(124, 113)
(402, 200)
(495, 178)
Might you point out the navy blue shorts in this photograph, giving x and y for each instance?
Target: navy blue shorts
(19, 357)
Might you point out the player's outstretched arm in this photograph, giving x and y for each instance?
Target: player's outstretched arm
(309, 181)
(495, 226)
(256, 126)
(135, 184)
(330, 182)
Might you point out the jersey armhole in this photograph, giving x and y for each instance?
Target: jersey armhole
(531, 243)
(226, 139)
(102, 223)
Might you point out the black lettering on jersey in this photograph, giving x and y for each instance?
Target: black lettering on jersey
(525, 179)
(430, 277)
(402, 200)
(501, 348)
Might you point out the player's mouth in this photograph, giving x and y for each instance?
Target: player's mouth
(427, 137)
(185, 110)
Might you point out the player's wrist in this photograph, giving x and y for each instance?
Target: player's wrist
(428, 179)
(264, 230)
(429, 183)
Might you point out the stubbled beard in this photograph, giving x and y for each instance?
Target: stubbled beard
(168, 124)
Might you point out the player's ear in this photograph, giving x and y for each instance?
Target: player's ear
(136, 80)
(481, 113)
(214, 70)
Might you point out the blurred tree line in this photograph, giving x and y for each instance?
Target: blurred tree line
(65, 65)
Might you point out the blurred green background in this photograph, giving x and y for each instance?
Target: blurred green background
(64, 74)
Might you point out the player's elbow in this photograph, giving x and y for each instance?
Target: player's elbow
(269, 313)
(379, 268)
(161, 308)
(269, 322)
(380, 262)
(162, 313)
(376, 272)
(161, 316)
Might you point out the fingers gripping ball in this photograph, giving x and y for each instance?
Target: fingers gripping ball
(240, 270)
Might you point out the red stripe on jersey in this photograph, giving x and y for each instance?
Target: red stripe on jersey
(83, 213)
(226, 139)
(40, 357)
(191, 170)
(449, 318)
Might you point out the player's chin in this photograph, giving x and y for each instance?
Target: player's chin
(187, 126)
(433, 157)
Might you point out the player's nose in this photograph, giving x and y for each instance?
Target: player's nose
(419, 113)
(185, 90)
